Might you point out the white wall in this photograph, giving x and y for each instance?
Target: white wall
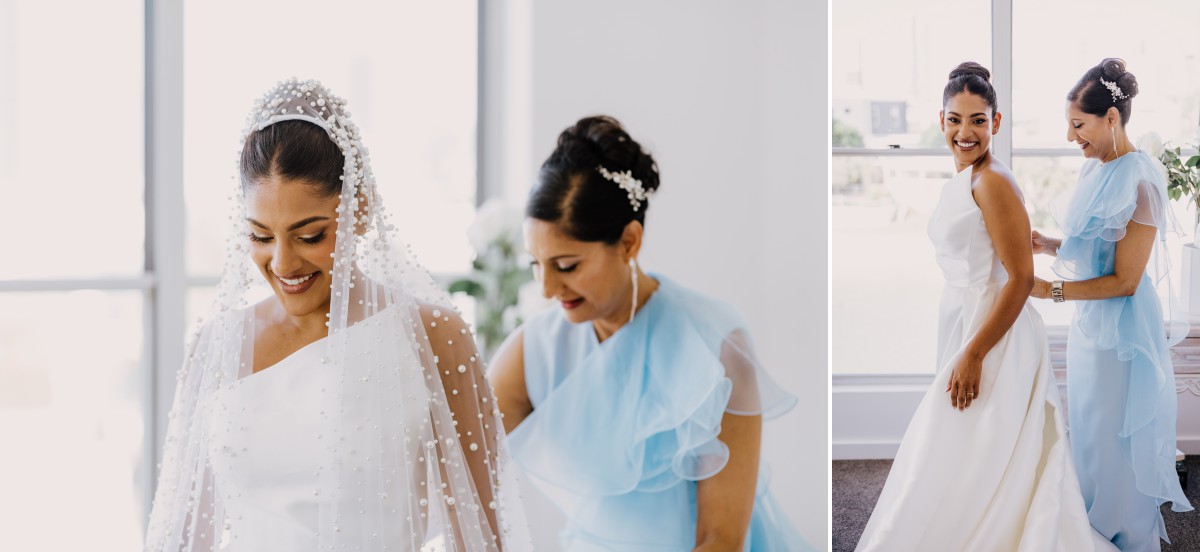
(730, 97)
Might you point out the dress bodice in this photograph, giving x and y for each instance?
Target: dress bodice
(266, 445)
(960, 239)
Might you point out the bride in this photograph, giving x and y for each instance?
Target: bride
(984, 464)
(347, 410)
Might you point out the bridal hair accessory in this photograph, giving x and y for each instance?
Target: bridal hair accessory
(1117, 93)
(637, 194)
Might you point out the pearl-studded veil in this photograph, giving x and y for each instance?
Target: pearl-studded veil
(409, 448)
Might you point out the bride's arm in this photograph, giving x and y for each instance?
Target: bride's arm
(477, 427)
(1008, 226)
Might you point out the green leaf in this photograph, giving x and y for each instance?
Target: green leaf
(1194, 161)
(469, 287)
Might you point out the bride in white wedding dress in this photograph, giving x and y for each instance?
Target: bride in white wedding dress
(348, 409)
(984, 464)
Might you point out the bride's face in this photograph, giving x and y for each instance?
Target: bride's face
(291, 232)
(969, 124)
(590, 280)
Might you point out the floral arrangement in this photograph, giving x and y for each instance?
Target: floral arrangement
(1183, 175)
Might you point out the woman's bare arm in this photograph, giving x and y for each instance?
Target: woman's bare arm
(507, 376)
(1007, 224)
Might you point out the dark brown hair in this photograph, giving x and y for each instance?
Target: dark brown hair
(570, 191)
(297, 150)
(1094, 98)
(974, 78)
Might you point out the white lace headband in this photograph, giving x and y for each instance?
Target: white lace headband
(633, 186)
(1117, 93)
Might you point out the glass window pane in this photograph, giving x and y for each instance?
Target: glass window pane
(886, 283)
(890, 62)
(409, 73)
(72, 421)
(71, 131)
(1165, 61)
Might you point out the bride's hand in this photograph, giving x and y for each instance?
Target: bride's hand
(1044, 244)
(964, 381)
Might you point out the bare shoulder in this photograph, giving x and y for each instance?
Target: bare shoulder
(450, 338)
(443, 322)
(996, 184)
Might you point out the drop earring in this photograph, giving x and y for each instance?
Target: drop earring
(633, 278)
(1112, 130)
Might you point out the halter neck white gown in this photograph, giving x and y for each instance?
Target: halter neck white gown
(264, 438)
(999, 475)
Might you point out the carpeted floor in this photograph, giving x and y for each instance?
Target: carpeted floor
(857, 483)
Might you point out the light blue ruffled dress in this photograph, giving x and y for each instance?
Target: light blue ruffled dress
(622, 430)
(1120, 381)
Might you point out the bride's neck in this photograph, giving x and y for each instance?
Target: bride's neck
(307, 324)
(983, 161)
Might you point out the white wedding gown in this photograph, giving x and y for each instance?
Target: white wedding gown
(264, 439)
(999, 475)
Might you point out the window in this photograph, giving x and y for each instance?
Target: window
(890, 61)
(72, 356)
(890, 161)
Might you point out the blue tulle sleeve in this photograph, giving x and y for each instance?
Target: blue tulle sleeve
(644, 409)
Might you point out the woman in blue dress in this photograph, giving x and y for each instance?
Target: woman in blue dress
(637, 406)
(1120, 382)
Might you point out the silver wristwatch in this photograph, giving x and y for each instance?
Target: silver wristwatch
(1056, 292)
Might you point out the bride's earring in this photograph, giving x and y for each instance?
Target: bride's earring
(633, 278)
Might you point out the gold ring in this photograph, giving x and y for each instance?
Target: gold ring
(970, 395)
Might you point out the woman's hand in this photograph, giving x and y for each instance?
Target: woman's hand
(1041, 289)
(964, 381)
(1045, 244)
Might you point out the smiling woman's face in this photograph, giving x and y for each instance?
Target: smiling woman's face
(969, 124)
(291, 231)
(590, 280)
(1093, 133)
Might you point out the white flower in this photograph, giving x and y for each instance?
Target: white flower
(495, 219)
(1152, 144)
